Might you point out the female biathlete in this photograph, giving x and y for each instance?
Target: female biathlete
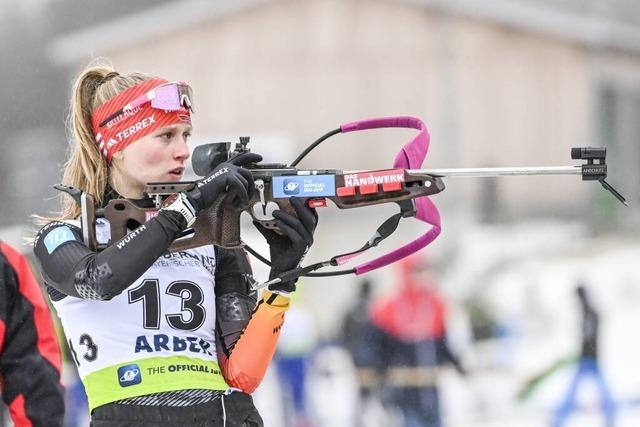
(160, 338)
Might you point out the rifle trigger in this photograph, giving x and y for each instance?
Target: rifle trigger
(259, 184)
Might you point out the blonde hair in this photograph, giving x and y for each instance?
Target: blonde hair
(86, 168)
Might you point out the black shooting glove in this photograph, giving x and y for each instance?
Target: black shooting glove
(288, 249)
(227, 178)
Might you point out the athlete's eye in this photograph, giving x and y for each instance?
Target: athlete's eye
(166, 135)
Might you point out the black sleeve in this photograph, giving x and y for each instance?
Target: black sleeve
(73, 269)
(235, 298)
(29, 354)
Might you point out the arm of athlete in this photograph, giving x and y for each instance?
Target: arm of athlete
(246, 337)
(71, 268)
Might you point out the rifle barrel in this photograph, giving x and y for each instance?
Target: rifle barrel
(493, 172)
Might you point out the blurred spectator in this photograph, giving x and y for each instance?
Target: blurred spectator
(298, 340)
(356, 317)
(29, 352)
(587, 366)
(404, 343)
(354, 323)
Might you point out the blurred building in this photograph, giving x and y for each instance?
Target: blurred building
(499, 83)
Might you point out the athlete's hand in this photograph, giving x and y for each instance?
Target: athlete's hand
(227, 178)
(288, 249)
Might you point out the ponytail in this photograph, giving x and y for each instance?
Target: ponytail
(86, 168)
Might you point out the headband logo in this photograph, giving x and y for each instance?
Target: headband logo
(120, 117)
(135, 128)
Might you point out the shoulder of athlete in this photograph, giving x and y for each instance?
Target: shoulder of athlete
(56, 234)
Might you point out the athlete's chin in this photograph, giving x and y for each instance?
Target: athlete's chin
(173, 177)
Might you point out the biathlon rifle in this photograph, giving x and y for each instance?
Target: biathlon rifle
(405, 184)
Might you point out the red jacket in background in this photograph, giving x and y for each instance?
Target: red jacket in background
(29, 353)
(415, 311)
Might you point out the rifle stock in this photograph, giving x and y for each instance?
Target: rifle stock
(220, 223)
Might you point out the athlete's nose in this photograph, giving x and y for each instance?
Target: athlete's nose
(182, 149)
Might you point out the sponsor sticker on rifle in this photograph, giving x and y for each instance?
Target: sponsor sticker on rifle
(373, 177)
(304, 186)
(150, 214)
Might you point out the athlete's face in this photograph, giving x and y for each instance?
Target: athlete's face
(158, 157)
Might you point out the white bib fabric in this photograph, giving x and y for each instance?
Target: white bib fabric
(157, 335)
